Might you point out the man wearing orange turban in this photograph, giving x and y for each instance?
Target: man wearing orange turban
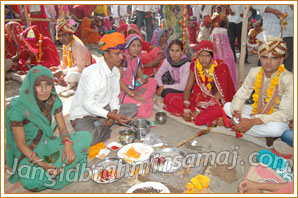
(272, 109)
(95, 106)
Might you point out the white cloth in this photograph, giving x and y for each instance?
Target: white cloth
(34, 8)
(271, 129)
(237, 9)
(73, 77)
(271, 24)
(196, 9)
(145, 8)
(123, 10)
(98, 87)
(217, 31)
(8, 64)
(207, 10)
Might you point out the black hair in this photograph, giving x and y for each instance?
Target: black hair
(223, 23)
(177, 42)
(211, 53)
(218, 6)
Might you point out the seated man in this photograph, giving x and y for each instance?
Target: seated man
(75, 56)
(272, 109)
(95, 106)
(209, 86)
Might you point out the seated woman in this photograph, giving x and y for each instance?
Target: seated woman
(151, 56)
(134, 87)
(30, 47)
(30, 140)
(209, 86)
(177, 64)
(88, 35)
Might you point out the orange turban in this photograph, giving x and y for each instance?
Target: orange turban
(114, 41)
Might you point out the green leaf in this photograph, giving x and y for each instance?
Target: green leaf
(52, 158)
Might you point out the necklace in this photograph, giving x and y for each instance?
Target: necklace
(274, 83)
(67, 59)
(38, 58)
(210, 72)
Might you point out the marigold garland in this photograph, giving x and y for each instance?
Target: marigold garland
(197, 184)
(67, 59)
(274, 82)
(94, 150)
(210, 73)
(38, 59)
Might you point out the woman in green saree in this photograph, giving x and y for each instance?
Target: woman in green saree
(39, 159)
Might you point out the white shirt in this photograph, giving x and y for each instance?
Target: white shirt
(237, 9)
(123, 10)
(145, 8)
(206, 11)
(271, 24)
(98, 87)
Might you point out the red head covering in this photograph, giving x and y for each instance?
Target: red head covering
(32, 35)
(134, 27)
(16, 33)
(122, 28)
(205, 45)
(207, 20)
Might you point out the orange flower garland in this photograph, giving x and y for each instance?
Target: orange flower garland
(38, 59)
(94, 150)
(197, 184)
(274, 82)
(67, 59)
(210, 73)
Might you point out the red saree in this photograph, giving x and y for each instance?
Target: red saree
(43, 26)
(203, 99)
(49, 57)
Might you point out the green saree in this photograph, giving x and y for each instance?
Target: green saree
(37, 120)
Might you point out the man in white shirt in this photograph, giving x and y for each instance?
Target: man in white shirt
(235, 27)
(95, 105)
(271, 15)
(144, 13)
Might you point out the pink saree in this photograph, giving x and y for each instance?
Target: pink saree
(223, 51)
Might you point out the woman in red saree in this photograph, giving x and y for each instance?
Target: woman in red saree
(43, 26)
(209, 86)
(47, 54)
(23, 47)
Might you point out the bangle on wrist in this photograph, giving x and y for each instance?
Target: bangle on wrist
(36, 161)
(30, 158)
(64, 141)
(186, 110)
(186, 102)
(65, 134)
